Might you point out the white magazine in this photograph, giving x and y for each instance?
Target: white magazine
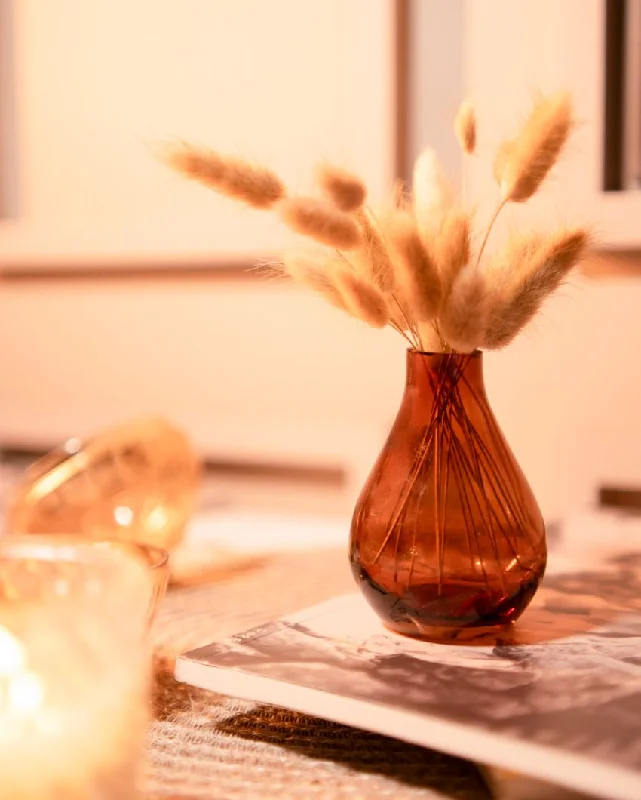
(557, 698)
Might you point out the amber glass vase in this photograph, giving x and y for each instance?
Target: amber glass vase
(447, 535)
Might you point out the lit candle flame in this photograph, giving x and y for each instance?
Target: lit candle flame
(123, 515)
(12, 655)
(25, 692)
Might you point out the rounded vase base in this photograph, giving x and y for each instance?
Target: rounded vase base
(453, 611)
(448, 635)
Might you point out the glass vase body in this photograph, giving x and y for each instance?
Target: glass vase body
(447, 536)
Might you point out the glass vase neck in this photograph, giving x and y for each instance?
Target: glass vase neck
(426, 371)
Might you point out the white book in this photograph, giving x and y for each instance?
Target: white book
(558, 698)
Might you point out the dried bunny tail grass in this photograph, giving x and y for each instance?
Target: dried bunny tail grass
(234, 177)
(517, 299)
(320, 221)
(374, 263)
(373, 260)
(432, 191)
(537, 147)
(463, 318)
(400, 315)
(415, 273)
(465, 127)
(546, 262)
(370, 265)
(451, 246)
(500, 159)
(346, 191)
(196, 163)
(315, 274)
(362, 299)
(433, 196)
(505, 267)
(255, 185)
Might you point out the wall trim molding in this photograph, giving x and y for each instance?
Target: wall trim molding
(23, 454)
(602, 263)
(241, 269)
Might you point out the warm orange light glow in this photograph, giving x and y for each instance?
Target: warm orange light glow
(12, 655)
(26, 692)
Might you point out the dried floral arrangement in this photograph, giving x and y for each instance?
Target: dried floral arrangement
(413, 265)
(447, 529)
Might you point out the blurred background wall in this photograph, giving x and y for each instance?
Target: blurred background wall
(125, 290)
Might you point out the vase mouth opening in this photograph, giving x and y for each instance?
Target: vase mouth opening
(412, 351)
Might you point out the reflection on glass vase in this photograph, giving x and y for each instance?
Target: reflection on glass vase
(446, 535)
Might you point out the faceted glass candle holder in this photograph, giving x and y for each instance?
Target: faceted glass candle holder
(74, 670)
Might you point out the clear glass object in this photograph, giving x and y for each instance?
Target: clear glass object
(155, 562)
(136, 482)
(447, 536)
(74, 670)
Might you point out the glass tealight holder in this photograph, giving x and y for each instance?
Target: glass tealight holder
(155, 562)
(136, 482)
(74, 670)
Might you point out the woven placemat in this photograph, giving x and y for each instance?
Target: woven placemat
(204, 745)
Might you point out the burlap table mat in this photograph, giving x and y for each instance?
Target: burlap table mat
(204, 745)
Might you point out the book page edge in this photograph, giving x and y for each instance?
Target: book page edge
(451, 737)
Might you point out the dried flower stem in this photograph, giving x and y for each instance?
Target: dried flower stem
(315, 276)
(497, 211)
(500, 159)
(442, 392)
(399, 329)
